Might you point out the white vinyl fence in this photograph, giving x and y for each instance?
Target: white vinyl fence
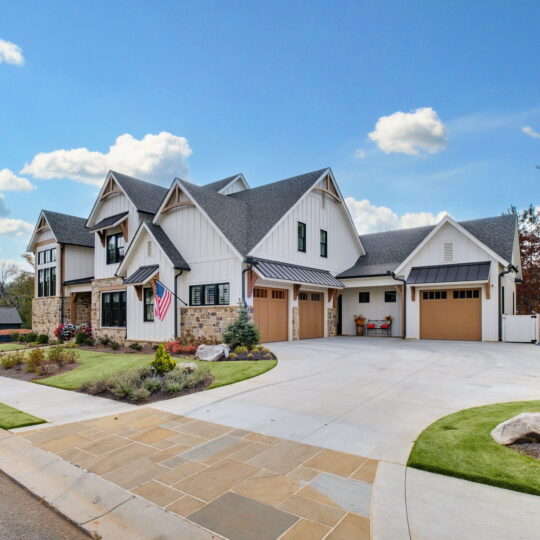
(521, 328)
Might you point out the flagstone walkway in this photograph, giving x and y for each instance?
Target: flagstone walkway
(236, 483)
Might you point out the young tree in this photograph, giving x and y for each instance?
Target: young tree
(17, 288)
(528, 292)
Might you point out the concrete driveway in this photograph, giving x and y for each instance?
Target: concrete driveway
(370, 396)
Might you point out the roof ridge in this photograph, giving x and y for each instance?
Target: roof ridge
(282, 180)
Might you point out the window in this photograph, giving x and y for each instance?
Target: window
(303, 296)
(389, 296)
(301, 237)
(448, 252)
(47, 282)
(259, 293)
(278, 294)
(434, 295)
(47, 254)
(40, 257)
(148, 305)
(363, 297)
(324, 243)
(463, 293)
(115, 248)
(113, 309)
(41, 278)
(216, 294)
(52, 280)
(316, 297)
(53, 255)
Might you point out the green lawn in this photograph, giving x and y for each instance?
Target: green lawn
(10, 346)
(98, 365)
(11, 418)
(460, 445)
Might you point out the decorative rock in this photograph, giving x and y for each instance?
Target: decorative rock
(187, 365)
(523, 426)
(212, 353)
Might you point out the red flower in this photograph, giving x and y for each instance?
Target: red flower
(371, 325)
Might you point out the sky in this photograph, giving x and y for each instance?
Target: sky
(420, 108)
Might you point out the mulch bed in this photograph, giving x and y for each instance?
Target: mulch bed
(531, 449)
(19, 373)
(157, 396)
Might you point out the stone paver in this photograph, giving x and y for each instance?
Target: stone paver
(236, 483)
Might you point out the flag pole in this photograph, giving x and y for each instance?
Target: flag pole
(165, 286)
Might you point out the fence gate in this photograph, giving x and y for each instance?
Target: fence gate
(520, 328)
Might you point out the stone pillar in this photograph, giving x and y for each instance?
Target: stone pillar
(209, 322)
(332, 321)
(99, 286)
(295, 323)
(46, 313)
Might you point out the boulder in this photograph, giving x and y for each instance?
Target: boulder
(212, 353)
(187, 365)
(523, 427)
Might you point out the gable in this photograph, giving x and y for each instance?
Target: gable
(238, 184)
(111, 201)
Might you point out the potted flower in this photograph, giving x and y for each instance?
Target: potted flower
(388, 322)
(360, 321)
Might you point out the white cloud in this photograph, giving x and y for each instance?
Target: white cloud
(15, 227)
(369, 218)
(528, 130)
(410, 133)
(10, 182)
(10, 53)
(154, 158)
(3, 209)
(360, 153)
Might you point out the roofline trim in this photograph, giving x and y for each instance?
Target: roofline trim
(98, 198)
(34, 233)
(326, 171)
(465, 232)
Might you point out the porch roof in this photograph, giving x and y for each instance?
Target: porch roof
(296, 273)
(80, 281)
(109, 221)
(142, 275)
(449, 273)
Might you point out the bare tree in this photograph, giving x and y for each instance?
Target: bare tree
(8, 271)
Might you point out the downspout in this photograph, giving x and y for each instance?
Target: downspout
(510, 268)
(176, 304)
(61, 275)
(404, 281)
(249, 262)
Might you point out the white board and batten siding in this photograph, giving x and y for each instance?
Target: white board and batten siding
(209, 255)
(79, 262)
(47, 235)
(233, 187)
(329, 215)
(463, 250)
(137, 328)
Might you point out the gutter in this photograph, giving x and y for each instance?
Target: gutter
(404, 281)
(509, 268)
(250, 262)
(62, 287)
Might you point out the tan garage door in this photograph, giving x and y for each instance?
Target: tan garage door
(270, 308)
(311, 314)
(451, 314)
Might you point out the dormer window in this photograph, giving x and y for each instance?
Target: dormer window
(115, 248)
(448, 252)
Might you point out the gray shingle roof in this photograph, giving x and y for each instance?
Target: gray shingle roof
(296, 273)
(168, 247)
(387, 250)
(146, 197)
(108, 221)
(69, 229)
(246, 216)
(141, 275)
(9, 315)
(220, 184)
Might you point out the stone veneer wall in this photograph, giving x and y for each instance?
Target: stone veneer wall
(208, 321)
(99, 285)
(295, 323)
(46, 314)
(332, 322)
(83, 305)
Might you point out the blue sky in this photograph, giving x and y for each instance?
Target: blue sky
(272, 90)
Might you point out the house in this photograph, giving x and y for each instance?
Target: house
(288, 250)
(9, 319)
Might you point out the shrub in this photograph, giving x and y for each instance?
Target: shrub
(140, 394)
(233, 356)
(162, 362)
(198, 376)
(96, 387)
(241, 349)
(242, 331)
(250, 356)
(114, 345)
(15, 336)
(124, 384)
(81, 338)
(31, 337)
(11, 360)
(104, 340)
(152, 384)
(269, 356)
(34, 361)
(43, 339)
(175, 347)
(172, 387)
(60, 356)
(135, 346)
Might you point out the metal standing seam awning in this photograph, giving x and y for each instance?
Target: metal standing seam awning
(109, 221)
(142, 275)
(295, 273)
(449, 273)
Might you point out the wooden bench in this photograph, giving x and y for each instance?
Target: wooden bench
(378, 328)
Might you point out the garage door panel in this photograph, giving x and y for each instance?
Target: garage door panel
(311, 312)
(451, 314)
(270, 308)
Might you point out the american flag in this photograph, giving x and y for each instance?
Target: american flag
(162, 301)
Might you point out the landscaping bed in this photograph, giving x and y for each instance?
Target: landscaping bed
(460, 445)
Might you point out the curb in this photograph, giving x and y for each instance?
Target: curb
(98, 507)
